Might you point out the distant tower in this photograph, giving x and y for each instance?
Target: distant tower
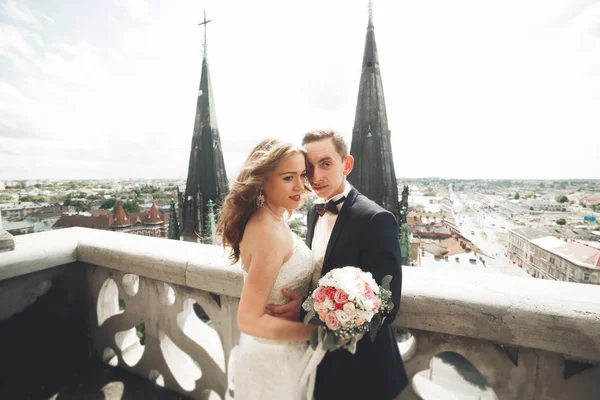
(373, 174)
(403, 235)
(173, 224)
(207, 179)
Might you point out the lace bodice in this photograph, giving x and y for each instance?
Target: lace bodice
(295, 274)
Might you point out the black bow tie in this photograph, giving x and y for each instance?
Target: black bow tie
(330, 206)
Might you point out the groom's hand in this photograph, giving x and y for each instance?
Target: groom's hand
(290, 310)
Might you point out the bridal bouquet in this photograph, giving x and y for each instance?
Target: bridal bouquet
(347, 304)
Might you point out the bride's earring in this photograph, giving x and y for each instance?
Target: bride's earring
(260, 199)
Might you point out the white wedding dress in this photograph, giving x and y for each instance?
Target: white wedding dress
(265, 369)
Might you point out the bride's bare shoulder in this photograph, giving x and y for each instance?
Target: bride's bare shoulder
(261, 231)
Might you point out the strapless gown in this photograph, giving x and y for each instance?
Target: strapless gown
(265, 369)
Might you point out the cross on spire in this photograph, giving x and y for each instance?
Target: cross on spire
(204, 23)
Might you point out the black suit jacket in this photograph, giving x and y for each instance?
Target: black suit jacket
(366, 236)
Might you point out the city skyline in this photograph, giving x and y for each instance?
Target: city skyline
(472, 90)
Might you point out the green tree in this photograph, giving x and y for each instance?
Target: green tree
(6, 198)
(34, 199)
(79, 205)
(430, 192)
(130, 206)
(561, 221)
(108, 204)
(517, 196)
(562, 199)
(295, 227)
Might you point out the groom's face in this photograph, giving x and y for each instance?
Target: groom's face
(326, 169)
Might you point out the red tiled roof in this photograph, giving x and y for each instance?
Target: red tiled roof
(95, 222)
(121, 217)
(154, 213)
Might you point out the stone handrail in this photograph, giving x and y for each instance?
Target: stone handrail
(482, 310)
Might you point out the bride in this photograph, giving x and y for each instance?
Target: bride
(273, 258)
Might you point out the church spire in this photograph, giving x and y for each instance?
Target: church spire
(207, 179)
(373, 173)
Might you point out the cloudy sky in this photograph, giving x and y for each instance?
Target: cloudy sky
(474, 89)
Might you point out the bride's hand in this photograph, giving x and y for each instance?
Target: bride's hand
(290, 310)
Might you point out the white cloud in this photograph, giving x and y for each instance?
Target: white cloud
(8, 123)
(137, 9)
(18, 12)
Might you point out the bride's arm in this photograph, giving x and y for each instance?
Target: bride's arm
(266, 252)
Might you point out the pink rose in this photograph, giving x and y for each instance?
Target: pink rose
(360, 321)
(369, 295)
(340, 297)
(332, 321)
(322, 315)
(330, 292)
(319, 295)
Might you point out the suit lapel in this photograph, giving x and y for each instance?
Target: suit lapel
(312, 221)
(340, 222)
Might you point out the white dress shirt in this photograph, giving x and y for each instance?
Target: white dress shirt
(322, 233)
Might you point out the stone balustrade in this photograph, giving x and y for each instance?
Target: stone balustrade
(529, 338)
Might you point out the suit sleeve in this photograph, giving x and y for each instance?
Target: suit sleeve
(381, 255)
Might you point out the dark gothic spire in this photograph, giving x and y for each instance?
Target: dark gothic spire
(206, 178)
(173, 224)
(373, 174)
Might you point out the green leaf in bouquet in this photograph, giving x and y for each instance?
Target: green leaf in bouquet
(308, 304)
(352, 346)
(374, 326)
(330, 342)
(373, 332)
(308, 317)
(385, 282)
(314, 338)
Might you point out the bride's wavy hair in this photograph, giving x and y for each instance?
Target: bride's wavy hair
(240, 202)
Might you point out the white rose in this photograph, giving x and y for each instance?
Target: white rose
(365, 315)
(329, 304)
(342, 317)
(349, 309)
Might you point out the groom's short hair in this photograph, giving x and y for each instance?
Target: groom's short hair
(320, 134)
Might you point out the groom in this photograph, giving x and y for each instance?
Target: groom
(345, 228)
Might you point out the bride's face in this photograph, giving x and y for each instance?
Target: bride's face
(284, 188)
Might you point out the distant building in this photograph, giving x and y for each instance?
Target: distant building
(548, 206)
(447, 205)
(590, 200)
(547, 257)
(18, 212)
(153, 223)
(429, 225)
